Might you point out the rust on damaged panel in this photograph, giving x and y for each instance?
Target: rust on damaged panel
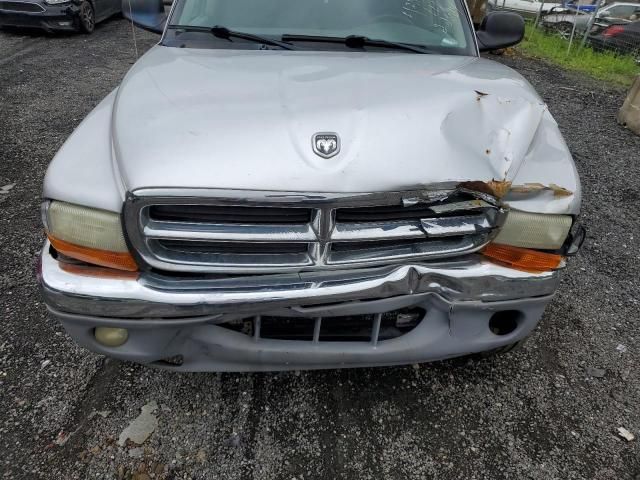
(500, 188)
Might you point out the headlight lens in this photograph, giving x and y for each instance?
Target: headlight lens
(87, 234)
(56, 2)
(86, 227)
(534, 230)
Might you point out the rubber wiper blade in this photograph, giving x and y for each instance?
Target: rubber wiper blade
(357, 41)
(225, 33)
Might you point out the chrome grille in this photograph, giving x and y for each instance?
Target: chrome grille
(232, 232)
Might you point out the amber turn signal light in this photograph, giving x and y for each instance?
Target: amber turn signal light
(118, 260)
(522, 258)
(100, 272)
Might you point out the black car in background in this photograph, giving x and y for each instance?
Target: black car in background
(55, 15)
(562, 21)
(622, 38)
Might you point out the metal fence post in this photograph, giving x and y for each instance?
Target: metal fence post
(573, 32)
(590, 24)
(539, 14)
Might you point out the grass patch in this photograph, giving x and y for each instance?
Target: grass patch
(606, 66)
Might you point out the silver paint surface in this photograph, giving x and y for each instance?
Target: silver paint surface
(225, 119)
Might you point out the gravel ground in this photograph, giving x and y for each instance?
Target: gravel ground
(542, 412)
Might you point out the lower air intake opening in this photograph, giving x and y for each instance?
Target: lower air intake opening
(348, 328)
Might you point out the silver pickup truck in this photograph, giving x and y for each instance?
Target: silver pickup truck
(300, 184)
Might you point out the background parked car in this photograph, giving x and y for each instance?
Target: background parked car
(526, 8)
(615, 13)
(57, 15)
(624, 39)
(591, 7)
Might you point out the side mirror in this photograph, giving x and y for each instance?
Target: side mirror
(500, 30)
(146, 14)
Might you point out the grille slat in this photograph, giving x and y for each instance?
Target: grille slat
(257, 248)
(258, 236)
(431, 227)
(232, 232)
(215, 214)
(412, 212)
(231, 255)
(349, 232)
(377, 246)
(21, 7)
(455, 226)
(350, 253)
(382, 213)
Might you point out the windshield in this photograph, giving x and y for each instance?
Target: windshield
(439, 25)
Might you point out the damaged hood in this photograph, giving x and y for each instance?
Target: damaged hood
(195, 118)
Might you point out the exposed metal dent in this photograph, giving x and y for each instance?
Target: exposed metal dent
(496, 130)
(547, 181)
(533, 169)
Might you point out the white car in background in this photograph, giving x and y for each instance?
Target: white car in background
(523, 7)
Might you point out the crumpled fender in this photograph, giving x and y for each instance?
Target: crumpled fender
(532, 167)
(500, 130)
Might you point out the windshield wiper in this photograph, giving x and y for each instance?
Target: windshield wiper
(356, 41)
(224, 33)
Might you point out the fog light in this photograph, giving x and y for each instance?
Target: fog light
(505, 322)
(111, 337)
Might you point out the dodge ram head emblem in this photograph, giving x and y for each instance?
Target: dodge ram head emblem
(326, 145)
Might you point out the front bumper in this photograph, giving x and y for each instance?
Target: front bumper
(168, 317)
(53, 18)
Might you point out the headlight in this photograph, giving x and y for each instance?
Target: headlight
(88, 234)
(534, 230)
(56, 2)
(522, 237)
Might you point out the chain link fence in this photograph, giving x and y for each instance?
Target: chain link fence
(613, 27)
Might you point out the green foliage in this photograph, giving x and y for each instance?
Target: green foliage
(606, 66)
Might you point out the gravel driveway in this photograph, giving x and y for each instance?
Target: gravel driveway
(548, 411)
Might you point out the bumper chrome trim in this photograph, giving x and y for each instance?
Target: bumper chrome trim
(155, 296)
